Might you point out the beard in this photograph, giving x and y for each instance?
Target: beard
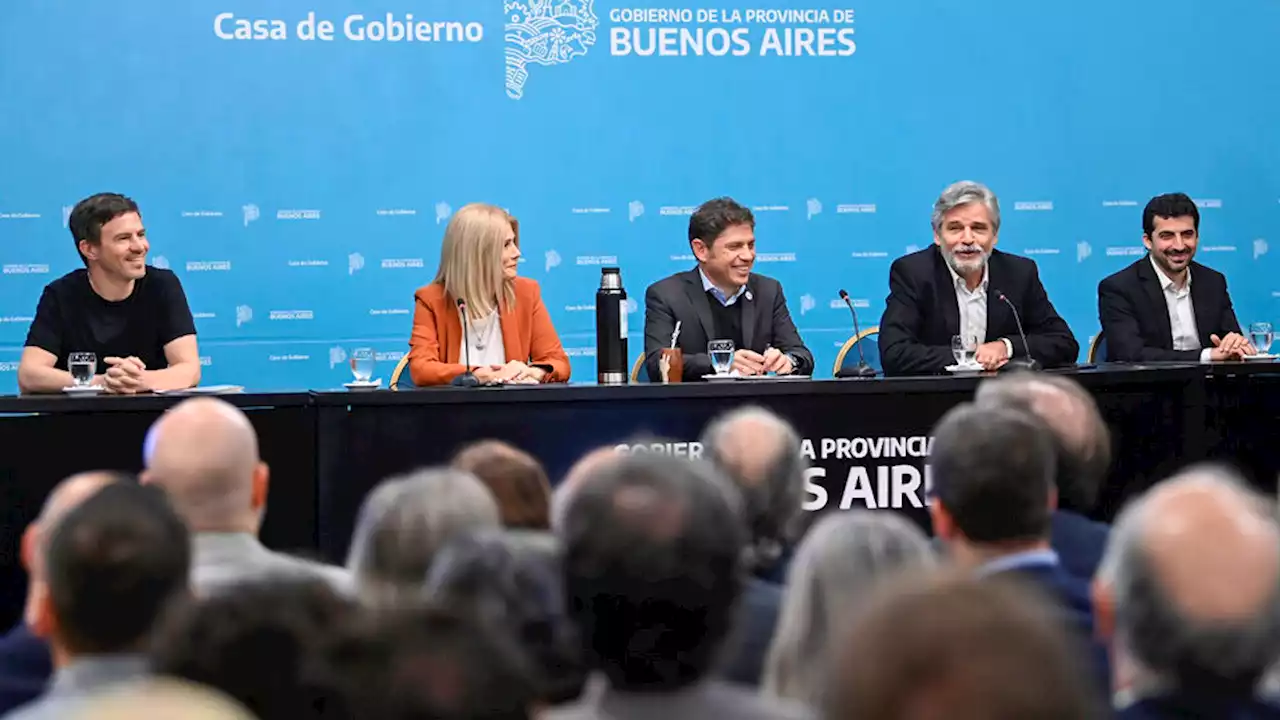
(964, 265)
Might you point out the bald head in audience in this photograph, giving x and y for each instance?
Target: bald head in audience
(586, 466)
(204, 453)
(65, 497)
(1190, 584)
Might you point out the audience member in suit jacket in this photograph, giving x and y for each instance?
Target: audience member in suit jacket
(25, 661)
(722, 299)
(1189, 590)
(954, 288)
(1166, 306)
(993, 480)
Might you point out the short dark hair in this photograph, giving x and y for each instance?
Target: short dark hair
(1083, 459)
(993, 472)
(1169, 205)
(653, 569)
(713, 217)
(430, 662)
(518, 588)
(517, 480)
(115, 563)
(261, 643)
(958, 646)
(90, 214)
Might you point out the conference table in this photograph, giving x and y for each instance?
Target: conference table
(866, 440)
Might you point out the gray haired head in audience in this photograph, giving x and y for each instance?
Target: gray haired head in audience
(838, 564)
(1082, 439)
(760, 452)
(405, 521)
(1190, 583)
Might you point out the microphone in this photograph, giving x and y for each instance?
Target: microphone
(863, 371)
(468, 378)
(1029, 363)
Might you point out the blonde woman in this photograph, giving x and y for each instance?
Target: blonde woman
(509, 331)
(839, 562)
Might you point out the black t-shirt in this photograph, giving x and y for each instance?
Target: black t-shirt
(71, 318)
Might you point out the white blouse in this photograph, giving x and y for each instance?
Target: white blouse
(485, 337)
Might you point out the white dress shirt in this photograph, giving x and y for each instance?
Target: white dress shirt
(485, 336)
(973, 308)
(1182, 314)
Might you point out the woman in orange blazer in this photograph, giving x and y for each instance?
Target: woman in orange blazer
(510, 332)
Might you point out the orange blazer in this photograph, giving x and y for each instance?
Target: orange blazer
(527, 335)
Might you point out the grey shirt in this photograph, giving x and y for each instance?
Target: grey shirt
(705, 701)
(222, 560)
(77, 682)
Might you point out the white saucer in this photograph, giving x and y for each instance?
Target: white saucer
(960, 369)
(82, 389)
(760, 378)
(363, 385)
(714, 377)
(1261, 357)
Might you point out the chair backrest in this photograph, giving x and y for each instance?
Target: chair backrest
(401, 374)
(869, 341)
(638, 373)
(1097, 349)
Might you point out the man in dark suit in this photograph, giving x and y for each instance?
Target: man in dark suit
(722, 299)
(954, 288)
(993, 483)
(1151, 310)
(1083, 446)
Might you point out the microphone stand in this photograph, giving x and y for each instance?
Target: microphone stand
(863, 371)
(1029, 363)
(468, 378)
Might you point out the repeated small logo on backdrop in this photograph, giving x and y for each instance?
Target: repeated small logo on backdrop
(631, 305)
(26, 269)
(443, 211)
(337, 356)
(66, 215)
(807, 303)
(912, 249)
(1259, 248)
(1083, 251)
(355, 263)
(250, 213)
(545, 32)
(634, 210)
(813, 206)
(244, 314)
(160, 262)
(552, 260)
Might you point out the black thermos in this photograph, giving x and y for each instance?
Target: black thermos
(611, 329)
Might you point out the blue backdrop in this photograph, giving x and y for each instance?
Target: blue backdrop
(296, 164)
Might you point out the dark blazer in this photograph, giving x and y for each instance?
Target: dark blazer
(1189, 706)
(1135, 316)
(25, 667)
(921, 315)
(765, 321)
(746, 650)
(1079, 542)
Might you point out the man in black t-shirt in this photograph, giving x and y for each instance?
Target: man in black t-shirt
(134, 318)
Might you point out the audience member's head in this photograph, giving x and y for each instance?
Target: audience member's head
(434, 663)
(262, 643)
(512, 586)
(959, 648)
(842, 560)
(760, 452)
(653, 548)
(992, 482)
(577, 475)
(161, 699)
(204, 454)
(405, 521)
(516, 479)
(67, 495)
(114, 563)
(1190, 583)
(1081, 437)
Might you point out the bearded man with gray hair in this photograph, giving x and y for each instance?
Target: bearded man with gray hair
(962, 286)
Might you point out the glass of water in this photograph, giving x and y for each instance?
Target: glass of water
(721, 352)
(963, 349)
(82, 366)
(362, 364)
(1261, 336)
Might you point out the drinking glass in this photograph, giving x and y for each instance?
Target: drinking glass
(82, 366)
(963, 349)
(721, 352)
(362, 364)
(1261, 336)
